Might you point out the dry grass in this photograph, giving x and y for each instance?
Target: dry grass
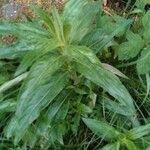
(43, 3)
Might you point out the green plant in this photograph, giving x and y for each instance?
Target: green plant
(118, 138)
(137, 43)
(59, 57)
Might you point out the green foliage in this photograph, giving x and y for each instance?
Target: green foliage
(102, 129)
(106, 131)
(58, 89)
(132, 47)
(137, 43)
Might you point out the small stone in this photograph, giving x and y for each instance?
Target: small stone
(11, 11)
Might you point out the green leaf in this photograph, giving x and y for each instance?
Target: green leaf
(45, 17)
(95, 39)
(41, 45)
(116, 107)
(88, 65)
(102, 129)
(132, 47)
(114, 146)
(13, 49)
(108, 40)
(10, 127)
(13, 82)
(55, 114)
(30, 137)
(58, 25)
(54, 129)
(146, 24)
(76, 123)
(144, 61)
(31, 56)
(21, 29)
(43, 84)
(7, 106)
(80, 15)
(58, 110)
(27, 61)
(129, 145)
(84, 109)
(115, 23)
(145, 20)
(114, 70)
(56, 134)
(138, 132)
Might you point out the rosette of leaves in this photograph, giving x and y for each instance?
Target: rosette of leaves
(57, 63)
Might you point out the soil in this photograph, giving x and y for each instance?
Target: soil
(16, 9)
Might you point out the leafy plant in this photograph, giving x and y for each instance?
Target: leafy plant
(109, 133)
(59, 77)
(137, 43)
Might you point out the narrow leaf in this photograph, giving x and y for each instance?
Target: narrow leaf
(80, 15)
(88, 65)
(102, 129)
(7, 106)
(40, 88)
(138, 132)
(114, 146)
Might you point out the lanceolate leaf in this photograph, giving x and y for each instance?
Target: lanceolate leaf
(9, 129)
(31, 56)
(58, 25)
(50, 121)
(138, 132)
(102, 129)
(116, 107)
(114, 70)
(40, 88)
(7, 106)
(96, 40)
(58, 110)
(20, 29)
(114, 146)
(87, 65)
(27, 61)
(45, 17)
(115, 32)
(43, 97)
(40, 44)
(80, 14)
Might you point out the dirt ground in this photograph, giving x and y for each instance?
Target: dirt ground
(9, 6)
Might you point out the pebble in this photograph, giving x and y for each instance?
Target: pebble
(11, 10)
